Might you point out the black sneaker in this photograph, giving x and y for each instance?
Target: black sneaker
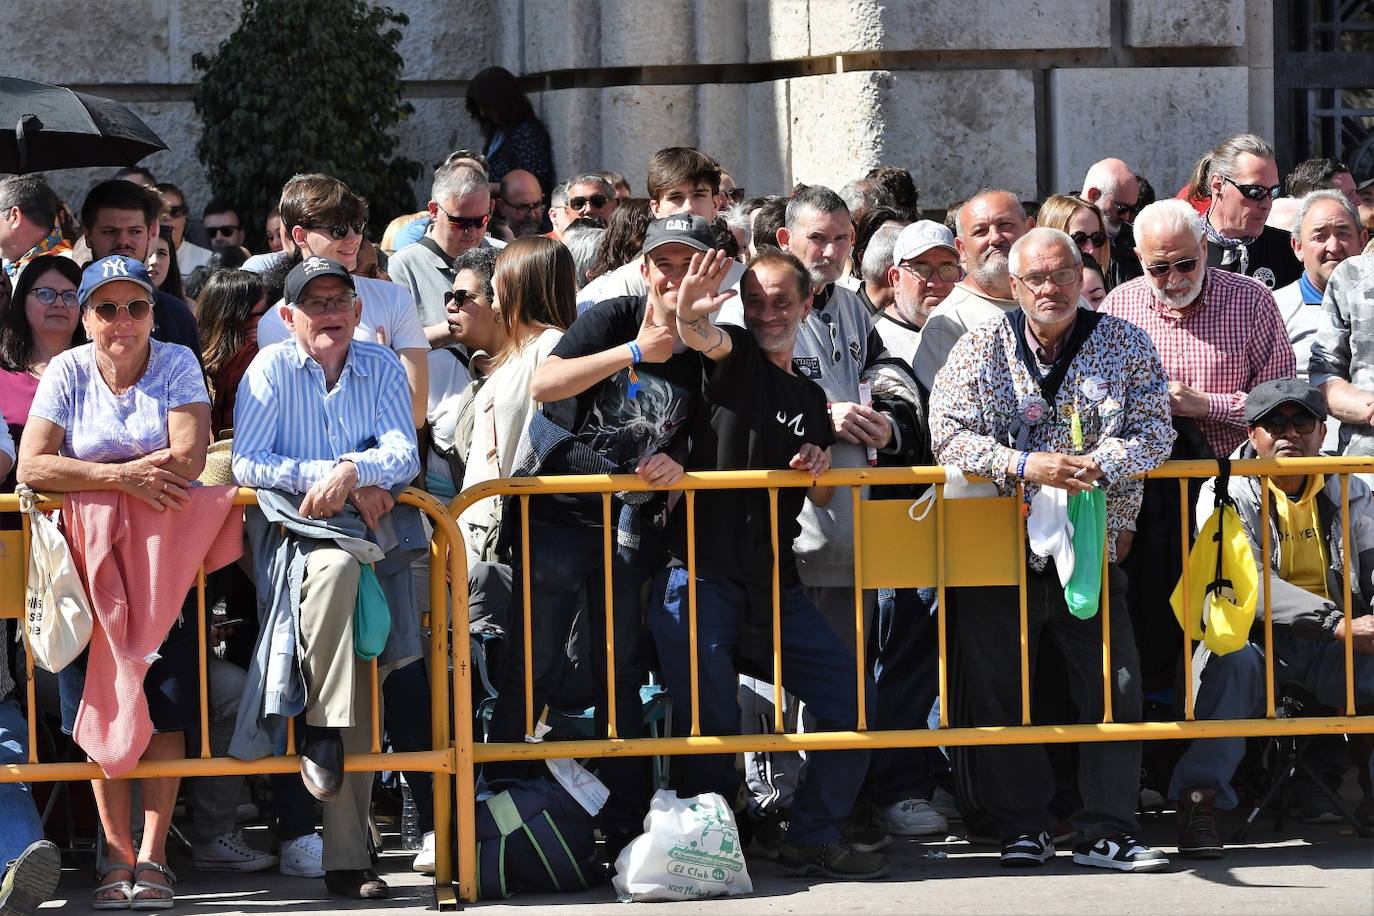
(30, 879)
(765, 835)
(1027, 850)
(866, 839)
(1121, 852)
(838, 859)
(1197, 825)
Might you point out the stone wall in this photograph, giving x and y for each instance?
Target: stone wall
(1019, 93)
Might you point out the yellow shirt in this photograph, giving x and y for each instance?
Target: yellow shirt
(1302, 556)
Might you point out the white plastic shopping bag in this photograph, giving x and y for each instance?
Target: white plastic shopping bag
(689, 850)
(57, 613)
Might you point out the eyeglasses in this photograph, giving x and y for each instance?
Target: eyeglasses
(47, 296)
(596, 200)
(1064, 276)
(137, 310)
(522, 209)
(1254, 191)
(1186, 266)
(318, 305)
(339, 232)
(948, 273)
(1124, 210)
(737, 195)
(178, 211)
(1278, 424)
(457, 298)
(1097, 238)
(225, 231)
(465, 223)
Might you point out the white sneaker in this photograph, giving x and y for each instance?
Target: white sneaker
(303, 857)
(231, 852)
(424, 861)
(912, 817)
(943, 801)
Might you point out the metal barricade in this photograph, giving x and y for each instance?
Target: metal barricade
(960, 543)
(446, 572)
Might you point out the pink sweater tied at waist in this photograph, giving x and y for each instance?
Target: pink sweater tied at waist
(138, 564)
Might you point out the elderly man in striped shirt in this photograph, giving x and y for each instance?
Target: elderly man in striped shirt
(328, 417)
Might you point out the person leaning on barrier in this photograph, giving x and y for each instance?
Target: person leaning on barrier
(1307, 566)
(762, 413)
(1004, 407)
(323, 420)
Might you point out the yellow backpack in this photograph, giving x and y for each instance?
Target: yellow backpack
(1223, 581)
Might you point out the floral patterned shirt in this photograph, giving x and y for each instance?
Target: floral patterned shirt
(986, 406)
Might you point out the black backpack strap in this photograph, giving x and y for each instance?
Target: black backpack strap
(438, 252)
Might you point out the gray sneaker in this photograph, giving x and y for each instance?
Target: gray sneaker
(30, 879)
(837, 859)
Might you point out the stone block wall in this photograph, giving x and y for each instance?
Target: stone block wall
(1019, 93)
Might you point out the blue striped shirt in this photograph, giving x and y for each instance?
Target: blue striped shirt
(290, 432)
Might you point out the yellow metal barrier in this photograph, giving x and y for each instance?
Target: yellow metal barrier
(447, 583)
(962, 542)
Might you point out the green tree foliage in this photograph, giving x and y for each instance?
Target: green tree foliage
(306, 87)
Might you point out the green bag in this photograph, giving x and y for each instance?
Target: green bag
(371, 616)
(1088, 516)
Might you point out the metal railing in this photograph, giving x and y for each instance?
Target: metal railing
(446, 571)
(928, 553)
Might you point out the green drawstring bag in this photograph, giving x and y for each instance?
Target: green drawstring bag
(1088, 516)
(371, 616)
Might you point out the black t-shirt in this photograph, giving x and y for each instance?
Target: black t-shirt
(1270, 259)
(755, 416)
(621, 427)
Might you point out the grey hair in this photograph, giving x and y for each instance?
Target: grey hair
(865, 193)
(582, 242)
(1041, 235)
(558, 197)
(736, 216)
(456, 179)
(1223, 157)
(813, 198)
(1168, 216)
(878, 254)
(593, 178)
(1308, 200)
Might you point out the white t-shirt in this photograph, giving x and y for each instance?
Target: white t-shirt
(262, 263)
(190, 256)
(387, 307)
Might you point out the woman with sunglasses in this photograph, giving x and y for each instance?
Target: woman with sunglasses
(1080, 221)
(42, 322)
(131, 414)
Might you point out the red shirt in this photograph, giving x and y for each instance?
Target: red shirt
(1224, 344)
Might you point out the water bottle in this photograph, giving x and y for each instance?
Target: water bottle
(410, 819)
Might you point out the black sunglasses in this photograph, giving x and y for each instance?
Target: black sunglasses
(596, 200)
(1278, 424)
(1254, 191)
(340, 232)
(465, 223)
(225, 231)
(458, 296)
(178, 211)
(1186, 266)
(1126, 209)
(1097, 238)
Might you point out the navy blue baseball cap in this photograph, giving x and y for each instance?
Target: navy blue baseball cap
(108, 270)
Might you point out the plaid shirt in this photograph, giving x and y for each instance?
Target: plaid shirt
(1223, 345)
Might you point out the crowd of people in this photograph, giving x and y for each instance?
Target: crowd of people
(1065, 345)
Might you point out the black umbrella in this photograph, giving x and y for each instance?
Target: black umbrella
(51, 127)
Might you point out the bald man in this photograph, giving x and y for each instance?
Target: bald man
(521, 203)
(1112, 185)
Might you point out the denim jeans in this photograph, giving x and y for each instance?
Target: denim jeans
(566, 566)
(815, 668)
(19, 823)
(406, 711)
(1231, 686)
(1015, 783)
(904, 649)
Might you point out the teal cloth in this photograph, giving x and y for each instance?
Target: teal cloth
(1088, 516)
(371, 616)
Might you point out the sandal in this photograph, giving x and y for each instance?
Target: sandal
(159, 902)
(125, 887)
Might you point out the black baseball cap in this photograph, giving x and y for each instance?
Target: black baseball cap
(681, 229)
(312, 268)
(1270, 395)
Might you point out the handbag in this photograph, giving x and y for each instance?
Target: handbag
(371, 616)
(57, 612)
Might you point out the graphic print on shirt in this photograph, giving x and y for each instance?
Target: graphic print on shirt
(624, 428)
(794, 424)
(808, 366)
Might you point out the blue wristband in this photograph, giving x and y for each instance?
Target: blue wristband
(636, 355)
(1021, 465)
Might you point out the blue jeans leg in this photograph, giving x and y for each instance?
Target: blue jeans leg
(1231, 687)
(19, 823)
(1321, 666)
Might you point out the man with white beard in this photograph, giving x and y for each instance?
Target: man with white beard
(989, 222)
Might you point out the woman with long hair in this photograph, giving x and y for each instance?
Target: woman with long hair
(162, 265)
(536, 299)
(1080, 221)
(512, 134)
(231, 303)
(624, 238)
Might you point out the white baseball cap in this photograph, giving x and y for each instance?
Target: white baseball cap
(920, 237)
